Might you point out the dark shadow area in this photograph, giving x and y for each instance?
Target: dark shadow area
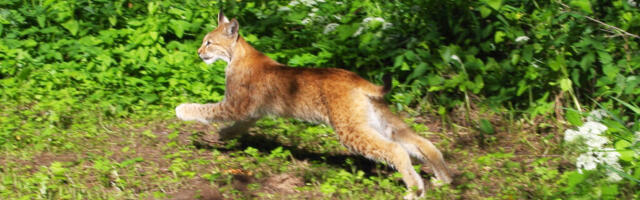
(267, 144)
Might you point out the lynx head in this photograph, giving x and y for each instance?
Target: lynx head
(218, 44)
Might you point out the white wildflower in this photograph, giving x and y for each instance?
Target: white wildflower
(366, 21)
(586, 161)
(314, 10)
(456, 58)
(594, 128)
(597, 115)
(613, 176)
(330, 27)
(523, 38)
(590, 131)
(338, 17)
(358, 32)
(596, 154)
(609, 156)
(386, 25)
(284, 9)
(339, 2)
(571, 135)
(595, 141)
(306, 21)
(632, 3)
(308, 3)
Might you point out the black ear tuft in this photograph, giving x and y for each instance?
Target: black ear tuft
(222, 19)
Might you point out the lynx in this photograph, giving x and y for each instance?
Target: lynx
(354, 107)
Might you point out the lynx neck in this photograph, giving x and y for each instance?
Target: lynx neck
(244, 55)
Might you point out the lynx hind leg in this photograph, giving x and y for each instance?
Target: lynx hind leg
(417, 146)
(238, 128)
(424, 150)
(192, 112)
(367, 142)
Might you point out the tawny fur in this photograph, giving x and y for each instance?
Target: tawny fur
(257, 86)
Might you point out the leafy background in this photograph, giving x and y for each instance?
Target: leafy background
(87, 91)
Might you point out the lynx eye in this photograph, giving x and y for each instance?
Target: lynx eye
(208, 42)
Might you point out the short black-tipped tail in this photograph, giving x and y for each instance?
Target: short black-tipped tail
(386, 80)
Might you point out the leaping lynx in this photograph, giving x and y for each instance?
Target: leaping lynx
(257, 86)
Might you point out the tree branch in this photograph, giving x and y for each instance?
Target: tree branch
(623, 32)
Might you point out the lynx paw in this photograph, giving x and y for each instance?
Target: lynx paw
(414, 194)
(189, 112)
(439, 183)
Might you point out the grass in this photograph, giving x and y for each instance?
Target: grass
(155, 156)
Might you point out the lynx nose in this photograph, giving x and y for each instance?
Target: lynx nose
(202, 56)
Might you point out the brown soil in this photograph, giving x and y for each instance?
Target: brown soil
(197, 189)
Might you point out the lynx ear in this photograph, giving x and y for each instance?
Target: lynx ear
(232, 28)
(222, 19)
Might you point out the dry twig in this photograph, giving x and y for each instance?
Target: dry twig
(610, 27)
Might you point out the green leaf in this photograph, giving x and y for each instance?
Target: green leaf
(72, 26)
(495, 4)
(152, 7)
(347, 30)
(558, 63)
(587, 61)
(632, 107)
(622, 148)
(57, 169)
(573, 117)
(478, 84)
(499, 36)
(484, 11)
(575, 178)
(610, 70)
(565, 84)
(605, 58)
(418, 71)
(149, 97)
(41, 20)
(397, 62)
(179, 26)
(609, 189)
(584, 5)
(486, 126)
(410, 55)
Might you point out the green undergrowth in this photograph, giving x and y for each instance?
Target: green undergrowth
(153, 155)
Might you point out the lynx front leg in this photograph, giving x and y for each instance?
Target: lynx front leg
(206, 113)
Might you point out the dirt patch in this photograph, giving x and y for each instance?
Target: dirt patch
(282, 183)
(42, 159)
(196, 189)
